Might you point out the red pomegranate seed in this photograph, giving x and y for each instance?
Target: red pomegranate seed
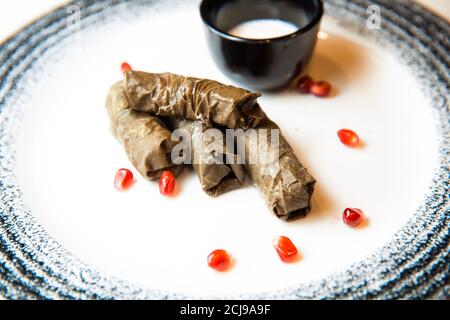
(123, 179)
(166, 183)
(348, 137)
(125, 67)
(353, 217)
(285, 249)
(304, 84)
(219, 260)
(321, 89)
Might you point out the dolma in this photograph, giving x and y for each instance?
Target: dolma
(187, 98)
(283, 181)
(215, 178)
(146, 140)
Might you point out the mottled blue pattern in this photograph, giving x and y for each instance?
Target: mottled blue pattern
(413, 265)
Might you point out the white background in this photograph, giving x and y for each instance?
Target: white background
(17, 13)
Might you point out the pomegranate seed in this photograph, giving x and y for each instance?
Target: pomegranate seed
(123, 179)
(348, 137)
(353, 217)
(219, 260)
(304, 84)
(321, 89)
(166, 183)
(125, 67)
(285, 249)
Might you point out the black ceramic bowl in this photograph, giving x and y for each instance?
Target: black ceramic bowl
(262, 64)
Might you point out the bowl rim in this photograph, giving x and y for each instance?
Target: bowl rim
(311, 24)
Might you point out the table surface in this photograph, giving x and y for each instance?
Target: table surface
(20, 12)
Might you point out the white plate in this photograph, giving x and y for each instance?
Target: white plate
(67, 158)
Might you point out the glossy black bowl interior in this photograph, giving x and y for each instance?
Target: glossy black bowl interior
(262, 64)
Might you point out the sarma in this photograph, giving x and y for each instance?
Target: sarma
(146, 140)
(217, 177)
(283, 181)
(175, 96)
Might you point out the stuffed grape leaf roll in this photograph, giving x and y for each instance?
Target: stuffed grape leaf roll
(283, 181)
(220, 175)
(188, 98)
(146, 140)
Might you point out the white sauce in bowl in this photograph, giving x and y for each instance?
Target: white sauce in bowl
(263, 29)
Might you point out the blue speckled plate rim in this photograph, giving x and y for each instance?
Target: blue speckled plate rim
(413, 265)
